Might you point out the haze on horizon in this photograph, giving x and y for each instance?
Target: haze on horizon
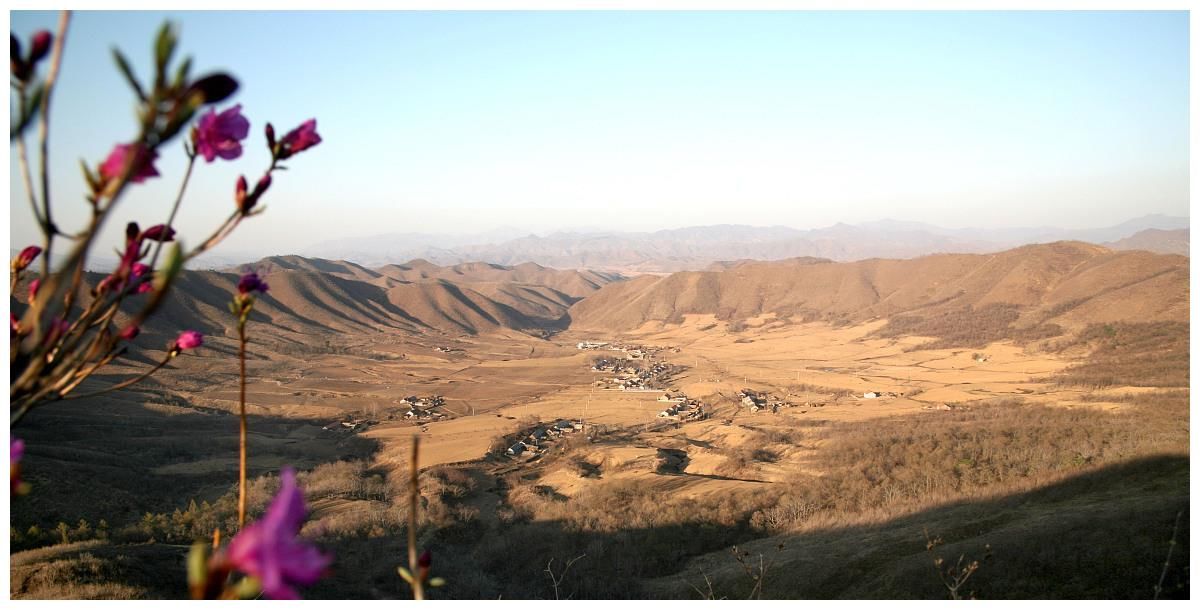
(465, 122)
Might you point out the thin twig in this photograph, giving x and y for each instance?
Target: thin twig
(242, 426)
(1170, 549)
(413, 504)
(187, 175)
(64, 20)
(556, 581)
(123, 384)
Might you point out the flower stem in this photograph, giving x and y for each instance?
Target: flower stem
(64, 18)
(413, 503)
(242, 429)
(187, 175)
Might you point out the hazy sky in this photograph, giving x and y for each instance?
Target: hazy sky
(464, 122)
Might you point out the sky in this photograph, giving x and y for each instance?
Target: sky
(463, 122)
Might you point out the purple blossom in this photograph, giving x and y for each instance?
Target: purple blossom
(299, 139)
(25, 258)
(140, 274)
(270, 549)
(250, 282)
(16, 450)
(143, 164)
(220, 135)
(189, 339)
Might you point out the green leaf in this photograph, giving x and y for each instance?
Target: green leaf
(405, 574)
(93, 180)
(181, 75)
(123, 66)
(171, 267)
(247, 588)
(31, 111)
(164, 47)
(197, 568)
(437, 581)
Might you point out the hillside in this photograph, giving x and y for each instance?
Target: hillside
(315, 295)
(1067, 283)
(1177, 241)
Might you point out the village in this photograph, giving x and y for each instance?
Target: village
(682, 409)
(631, 374)
(424, 408)
(537, 440)
(755, 401)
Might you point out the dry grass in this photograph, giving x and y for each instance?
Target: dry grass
(967, 327)
(1130, 354)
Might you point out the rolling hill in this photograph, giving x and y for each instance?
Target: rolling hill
(1070, 284)
(310, 295)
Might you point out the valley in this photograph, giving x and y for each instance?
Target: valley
(874, 430)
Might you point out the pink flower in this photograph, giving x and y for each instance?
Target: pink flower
(16, 450)
(14, 325)
(140, 274)
(250, 282)
(25, 258)
(219, 135)
(270, 550)
(129, 333)
(33, 288)
(188, 339)
(299, 139)
(143, 164)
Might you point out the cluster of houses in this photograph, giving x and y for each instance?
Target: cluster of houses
(878, 394)
(757, 401)
(541, 437)
(631, 375)
(682, 408)
(632, 351)
(448, 350)
(423, 407)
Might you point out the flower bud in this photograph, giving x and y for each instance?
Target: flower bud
(40, 46)
(25, 258)
(130, 332)
(215, 87)
(239, 193)
(159, 233)
(270, 132)
(188, 339)
(16, 66)
(264, 183)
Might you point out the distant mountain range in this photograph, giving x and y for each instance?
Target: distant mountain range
(1069, 284)
(696, 248)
